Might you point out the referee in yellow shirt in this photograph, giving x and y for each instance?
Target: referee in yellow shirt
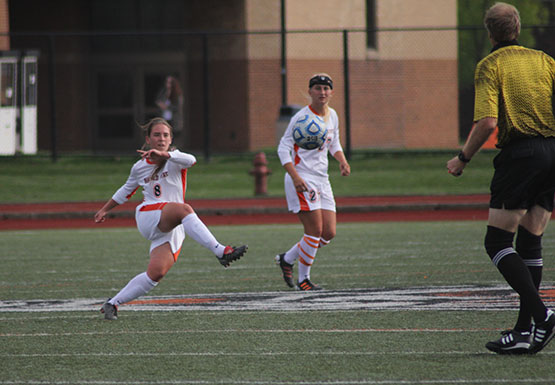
(514, 91)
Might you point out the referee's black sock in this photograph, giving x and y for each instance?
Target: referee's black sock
(529, 247)
(499, 246)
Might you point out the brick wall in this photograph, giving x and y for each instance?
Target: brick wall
(394, 104)
(4, 25)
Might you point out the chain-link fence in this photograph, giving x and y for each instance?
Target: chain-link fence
(394, 88)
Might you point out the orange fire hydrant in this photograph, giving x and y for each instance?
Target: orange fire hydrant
(260, 173)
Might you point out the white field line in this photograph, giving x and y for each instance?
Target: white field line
(253, 354)
(446, 298)
(22, 316)
(247, 331)
(350, 382)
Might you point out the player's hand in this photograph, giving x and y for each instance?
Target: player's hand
(300, 185)
(144, 154)
(345, 169)
(455, 166)
(153, 154)
(100, 216)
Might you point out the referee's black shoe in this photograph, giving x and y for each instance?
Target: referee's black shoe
(543, 333)
(511, 342)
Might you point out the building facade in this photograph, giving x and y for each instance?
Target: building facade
(103, 66)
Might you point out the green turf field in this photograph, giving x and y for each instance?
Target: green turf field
(74, 179)
(406, 345)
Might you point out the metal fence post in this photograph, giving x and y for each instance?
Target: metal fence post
(347, 94)
(52, 85)
(206, 99)
(283, 56)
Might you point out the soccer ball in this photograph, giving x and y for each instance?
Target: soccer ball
(310, 132)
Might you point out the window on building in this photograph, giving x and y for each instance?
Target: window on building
(137, 16)
(115, 104)
(371, 40)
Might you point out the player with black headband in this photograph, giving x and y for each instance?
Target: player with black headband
(322, 79)
(307, 187)
(514, 91)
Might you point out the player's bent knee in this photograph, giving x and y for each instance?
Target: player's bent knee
(181, 210)
(529, 247)
(155, 275)
(186, 209)
(526, 241)
(314, 233)
(498, 243)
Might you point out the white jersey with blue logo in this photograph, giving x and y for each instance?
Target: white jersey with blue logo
(310, 162)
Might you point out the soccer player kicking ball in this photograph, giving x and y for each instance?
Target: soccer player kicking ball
(307, 186)
(163, 217)
(514, 91)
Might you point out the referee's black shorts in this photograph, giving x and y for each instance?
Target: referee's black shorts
(524, 175)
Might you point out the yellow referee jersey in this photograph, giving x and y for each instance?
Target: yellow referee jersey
(515, 85)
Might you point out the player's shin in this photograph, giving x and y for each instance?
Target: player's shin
(308, 247)
(499, 246)
(138, 286)
(197, 230)
(529, 247)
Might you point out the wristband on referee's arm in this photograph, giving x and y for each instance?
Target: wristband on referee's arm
(462, 158)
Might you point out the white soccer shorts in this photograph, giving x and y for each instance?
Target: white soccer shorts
(147, 218)
(319, 195)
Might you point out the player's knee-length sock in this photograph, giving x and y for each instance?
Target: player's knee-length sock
(529, 247)
(197, 230)
(499, 245)
(138, 286)
(308, 246)
(292, 254)
(323, 242)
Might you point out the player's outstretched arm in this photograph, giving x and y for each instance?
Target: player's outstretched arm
(154, 155)
(100, 216)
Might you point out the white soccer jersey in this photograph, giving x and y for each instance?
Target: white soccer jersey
(169, 185)
(310, 162)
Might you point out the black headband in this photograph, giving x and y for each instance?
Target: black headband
(321, 79)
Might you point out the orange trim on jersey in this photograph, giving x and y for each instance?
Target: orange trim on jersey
(297, 157)
(314, 112)
(154, 206)
(303, 202)
(184, 181)
(133, 192)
